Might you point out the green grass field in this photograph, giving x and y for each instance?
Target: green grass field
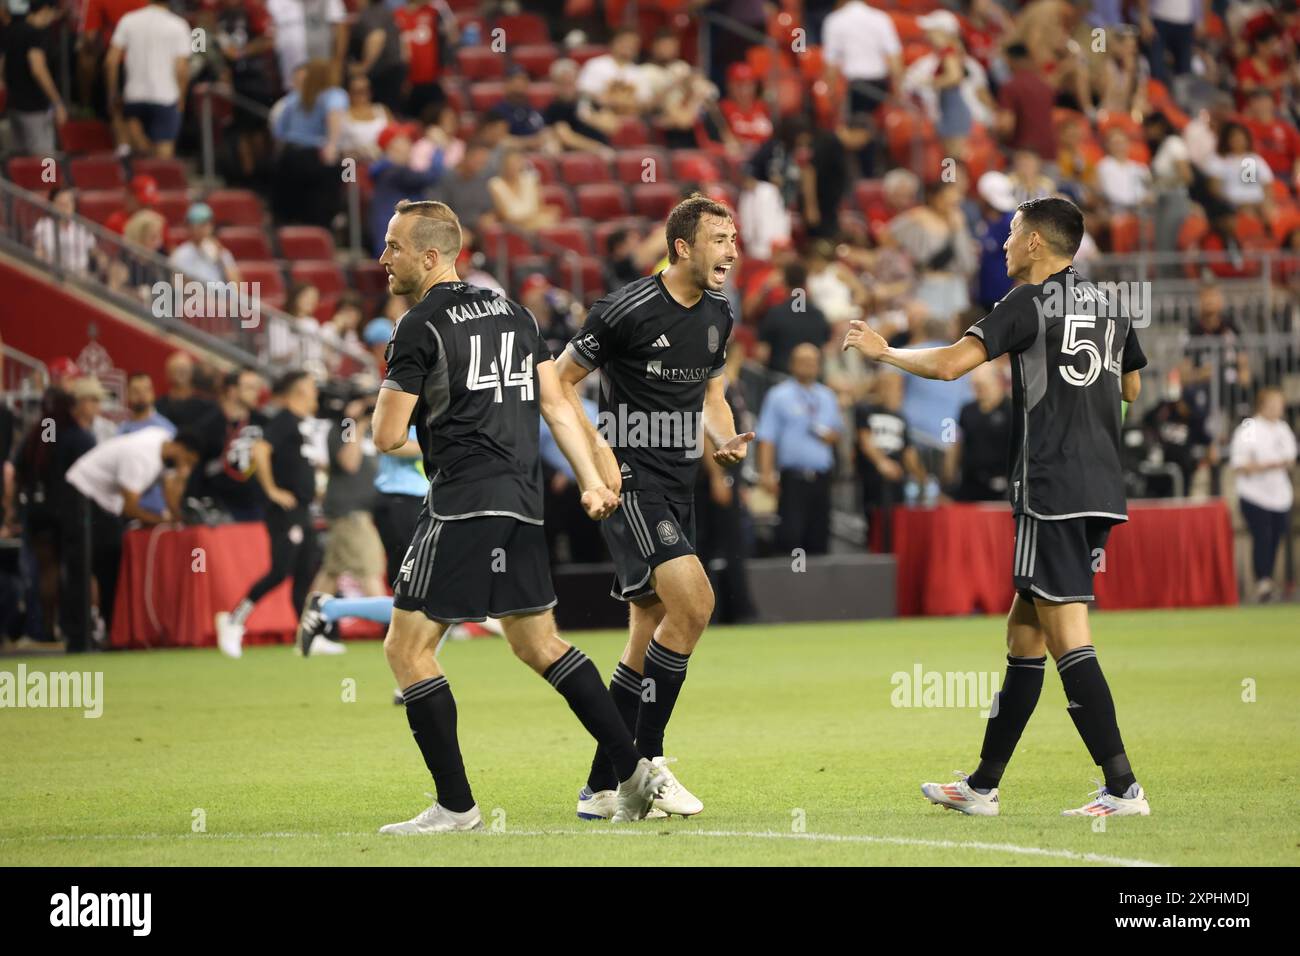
(786, 732)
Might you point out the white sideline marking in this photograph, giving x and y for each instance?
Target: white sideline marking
(1012, 848)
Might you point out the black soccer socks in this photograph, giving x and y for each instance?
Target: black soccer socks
(625, 690)
(1013, 707)
(665, 672)
(431, 712)
(1093, 711)
(578, 681)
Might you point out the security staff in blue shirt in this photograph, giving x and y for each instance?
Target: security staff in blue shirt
(402, 485)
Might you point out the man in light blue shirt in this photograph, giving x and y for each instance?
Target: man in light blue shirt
(139, 400)
(402, 485)
(798, 427)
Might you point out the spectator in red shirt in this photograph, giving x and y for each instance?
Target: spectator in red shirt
(420, 25)
(745, 113)
(1025, 107)
(1275, 139)
(1265, 68)
(142, 194)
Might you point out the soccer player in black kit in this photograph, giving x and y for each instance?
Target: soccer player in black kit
(1075, 355)
(470, 370)
(660, 344)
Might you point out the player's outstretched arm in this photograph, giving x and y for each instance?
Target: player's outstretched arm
(720, 424)
(944, 364)
(392, 420)
(566, 424)
(569, 372)
(1131, 386)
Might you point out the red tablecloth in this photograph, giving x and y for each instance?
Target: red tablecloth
(956, 559)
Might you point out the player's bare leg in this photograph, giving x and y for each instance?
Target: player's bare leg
(431, 712)
(535, 641)
(977, 794)
(1091, 707)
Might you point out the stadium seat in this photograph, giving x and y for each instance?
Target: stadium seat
(523, 29)
(545, 167)
(86, 136)
(515, 243)
(37, 173)
(558, 194)
(524, 266)
(724, 193)
(173, 204)
(370, 279)
(574, 235)
(602, 200)
(101, 171)
(695, 167)
(587, 51)
(633, 132)
(1125, 233)
(236, 207)
(325, 275)
(170, 173)
(485, 95)
(630, 165)
(585, 271)
(98, 204)
(654, 200)
(580, 169)
(540, 95)
(480, 63)
(267, 278)
(174, 236)
(245, 242)
(305, 242)
(536, 58)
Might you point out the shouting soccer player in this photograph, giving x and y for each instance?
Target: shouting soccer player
(660, 344)
(1074, 355)
(472, 368)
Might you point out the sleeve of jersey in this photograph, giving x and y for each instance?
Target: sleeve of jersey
(542, 353)
(720, 360)
(1134, 357)
(1012, 326)
(409, 356)
(592, 345)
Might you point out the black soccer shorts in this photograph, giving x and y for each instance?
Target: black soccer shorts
(1054, 560)
(474, 568)
(647, 529)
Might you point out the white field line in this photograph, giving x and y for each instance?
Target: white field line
(1009, 848)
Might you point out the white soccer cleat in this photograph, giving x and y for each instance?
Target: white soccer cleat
(637, 793)
(962, 796)
(322, 645)
(673, 797)
(596, 805)
(1107, 804)
(230, 636)
(437, 819)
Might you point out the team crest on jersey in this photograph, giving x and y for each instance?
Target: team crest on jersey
(713, 338)
(667, 533)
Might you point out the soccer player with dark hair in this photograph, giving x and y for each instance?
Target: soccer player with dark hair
(1074, 356)
(660, 344)
(470, 369)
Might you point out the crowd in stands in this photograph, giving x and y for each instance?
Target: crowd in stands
(874, 155)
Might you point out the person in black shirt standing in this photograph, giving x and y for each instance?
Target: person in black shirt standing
(34, 106)
(1074, 356)
(885, 455)
(284, 465)
(661, 345)
(795, 321)
(978, 463)
(472, 371)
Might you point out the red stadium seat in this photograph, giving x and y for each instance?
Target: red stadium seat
(174, 236)
(98, 204)
(86, 136)
(585, 271)
(480, 63)
(540, 95)
(545, 167)
(695, 166)
(524, 266)
(655, 200)
(173, 204)
(630, 165)
(602, 200)
(370, 279)
(536, 58)
(485, 95)
(245, 242)
(170, 173)
(102, 171)
(40, 174)
(305, 242)
(236, 207)
(558, 194)
(522, 29)
(574, 235)
(578, 169)
(327, 276)
(633, 132)
(496, 238)
(267, 278)
(588, 51)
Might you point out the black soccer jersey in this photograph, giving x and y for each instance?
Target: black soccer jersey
(656, 357)
(1069, 342)
(471, 356)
